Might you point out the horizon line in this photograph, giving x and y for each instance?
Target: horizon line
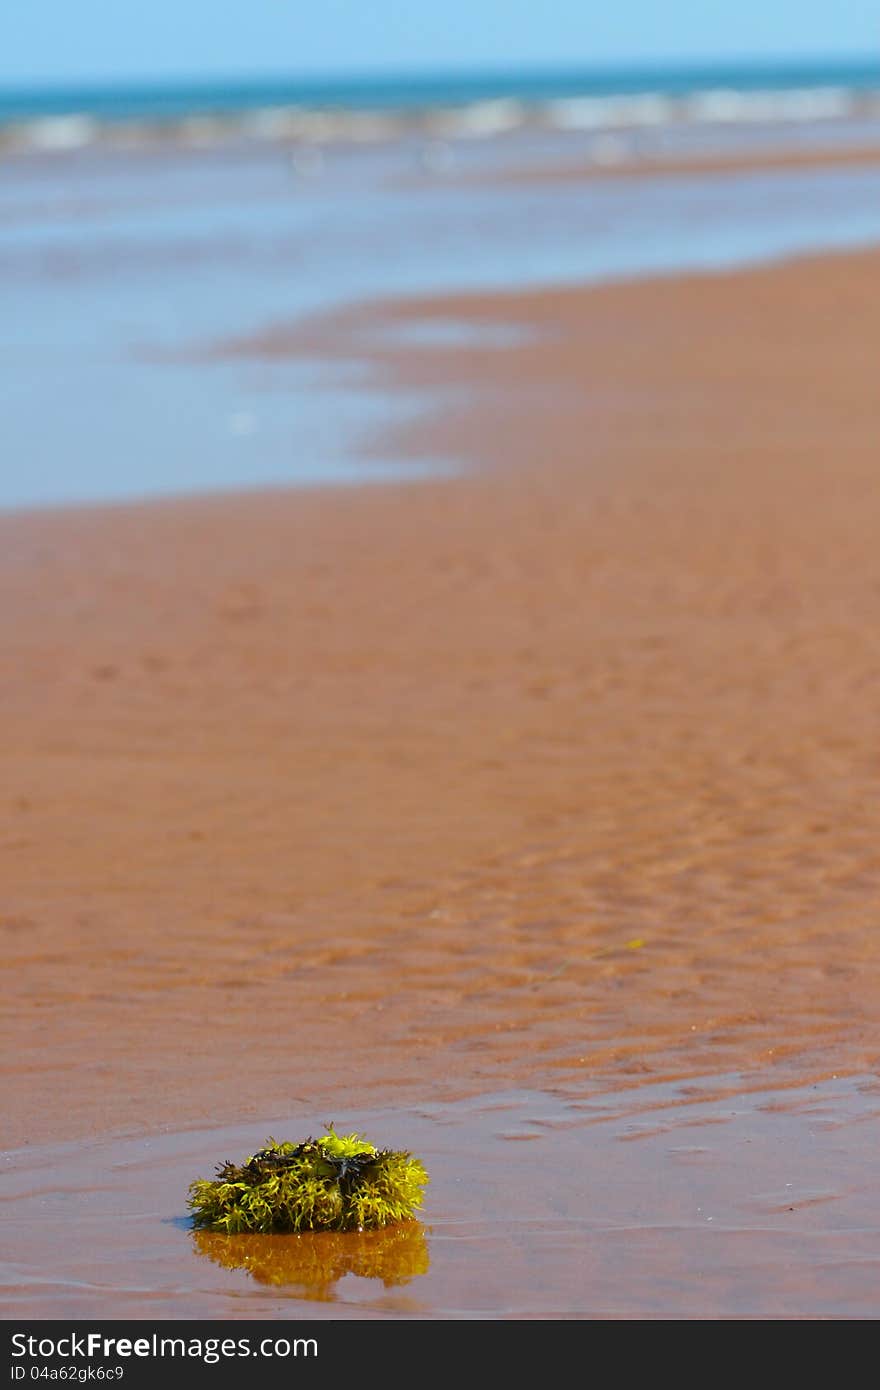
(471, 72)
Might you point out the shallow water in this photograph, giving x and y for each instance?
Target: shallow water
(119, 272)
(680, 1201)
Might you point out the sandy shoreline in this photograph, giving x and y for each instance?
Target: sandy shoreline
(627, 155)
(558, 775)
(651, 1203)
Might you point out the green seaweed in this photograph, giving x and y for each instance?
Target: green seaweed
(335, 1183)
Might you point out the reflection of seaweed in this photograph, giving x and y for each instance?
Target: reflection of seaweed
(335, 1183)
(316, 1260)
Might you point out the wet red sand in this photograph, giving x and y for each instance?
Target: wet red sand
(624, 158)
(558, 777)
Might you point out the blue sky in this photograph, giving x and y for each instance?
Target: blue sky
(117, 40)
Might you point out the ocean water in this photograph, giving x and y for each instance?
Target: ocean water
(462, 102)
(127, 257)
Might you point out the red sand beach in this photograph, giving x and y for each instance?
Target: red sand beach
(556, 777)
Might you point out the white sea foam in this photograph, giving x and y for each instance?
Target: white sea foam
(799, 104)
(480, 119)
(58, 132)
(606, 113)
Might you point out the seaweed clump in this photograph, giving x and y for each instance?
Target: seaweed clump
(335, 1183)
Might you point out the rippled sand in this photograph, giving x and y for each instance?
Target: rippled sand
(558, 777)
